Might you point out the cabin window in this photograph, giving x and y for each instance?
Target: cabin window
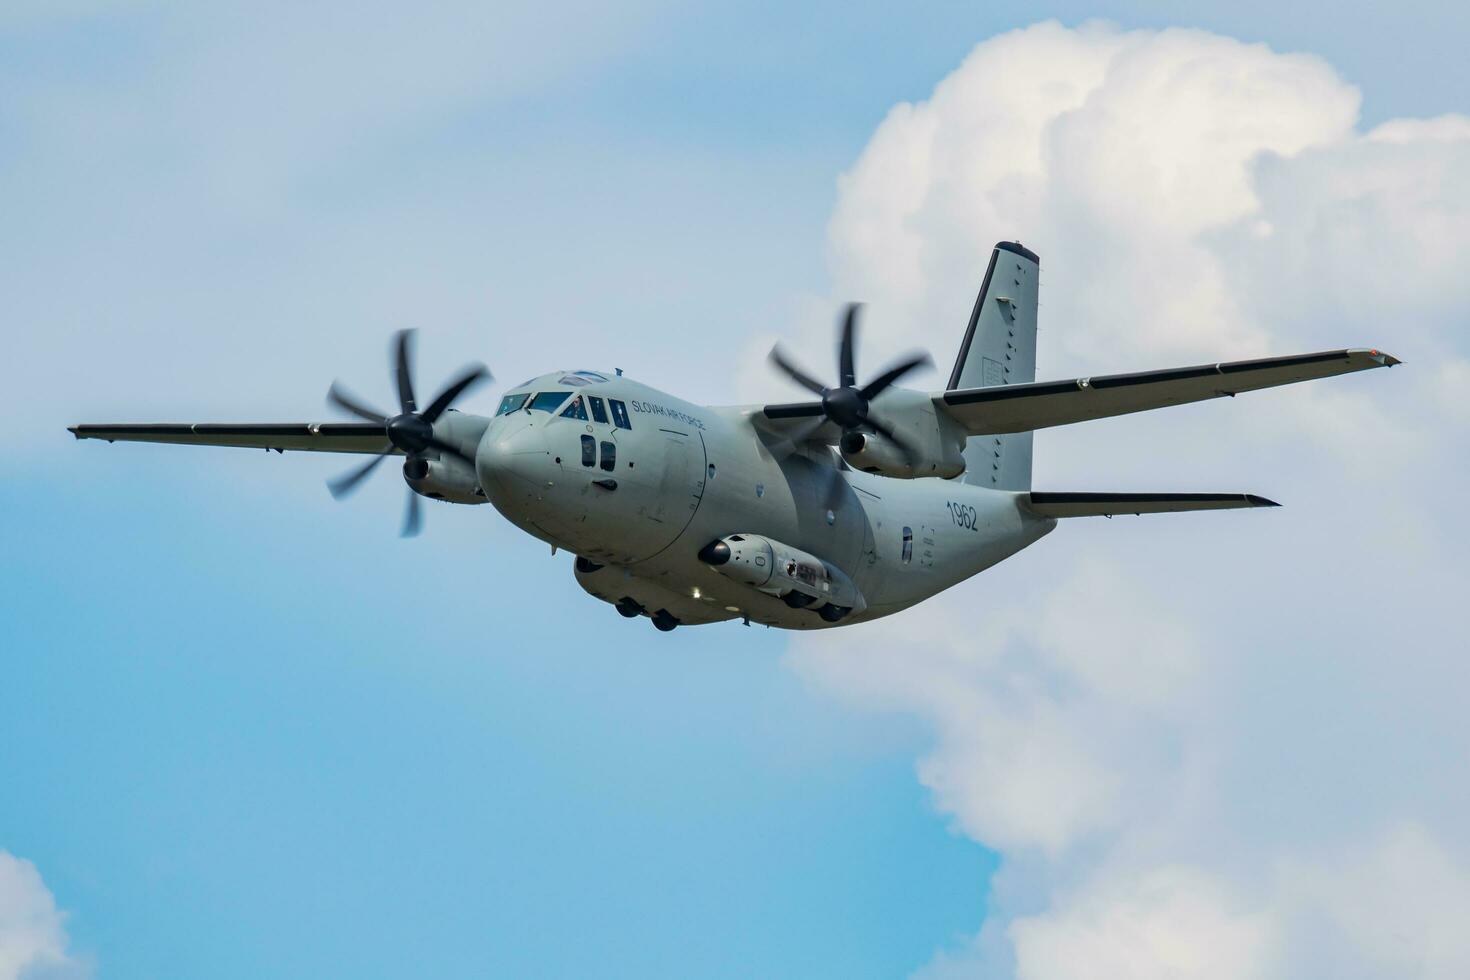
(619, 414)
(589, 451)
(511, 403)
(599, 413)
(609, 456)
(576, 410)
(908, 545)
(547, 401)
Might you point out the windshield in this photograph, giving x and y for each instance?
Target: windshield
(510, 403)
(547, 401)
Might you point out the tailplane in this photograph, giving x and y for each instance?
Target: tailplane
(1051, 504)
(1000, 349)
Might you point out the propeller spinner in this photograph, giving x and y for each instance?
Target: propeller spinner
(410, 431)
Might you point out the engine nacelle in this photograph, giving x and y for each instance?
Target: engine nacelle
(777, 569)
(874, 454)
(443, 479)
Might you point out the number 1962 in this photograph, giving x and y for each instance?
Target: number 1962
(963, 515)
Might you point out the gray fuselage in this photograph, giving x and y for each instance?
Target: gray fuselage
(641, 491)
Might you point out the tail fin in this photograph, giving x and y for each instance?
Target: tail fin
(1000, 348)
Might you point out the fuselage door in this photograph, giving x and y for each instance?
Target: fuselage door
(681, 485)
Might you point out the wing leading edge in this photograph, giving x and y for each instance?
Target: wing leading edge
(1024, 407)
(320, 437)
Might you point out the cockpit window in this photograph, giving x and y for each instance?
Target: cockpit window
(599, 413)
(547, 401)
(576, 410)
(511, 403)
(620, 414)
(572, 379)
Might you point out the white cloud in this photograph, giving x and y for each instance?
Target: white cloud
(1171, 922)
(1221, 744)
(33, 942)
(1399, 905)
(1021, 709)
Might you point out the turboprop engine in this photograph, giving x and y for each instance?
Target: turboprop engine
(799, 579)
(875, 454)
(446, 478)
(437, 430)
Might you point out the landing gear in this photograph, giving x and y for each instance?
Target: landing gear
(833, 613)
(586, 565)
(631, 608)
(798, 600)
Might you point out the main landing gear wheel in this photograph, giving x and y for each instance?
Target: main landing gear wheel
(663, 622)
(833, 613)
(628, 608)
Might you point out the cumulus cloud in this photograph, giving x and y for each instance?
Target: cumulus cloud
(33, 942)
(1207, 745)
(1168, 922)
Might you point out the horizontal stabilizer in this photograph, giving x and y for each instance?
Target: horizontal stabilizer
(1107, 504)
(1025, 407)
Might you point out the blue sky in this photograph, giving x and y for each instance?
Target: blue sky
(245, 730)
(284, 753)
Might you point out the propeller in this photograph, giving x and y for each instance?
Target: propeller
(848, 406)
(410, 431)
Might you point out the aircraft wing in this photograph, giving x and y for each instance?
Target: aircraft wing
(799, 422)
(321, 437)
(1024, 407)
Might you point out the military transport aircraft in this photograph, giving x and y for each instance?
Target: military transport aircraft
(855, 504)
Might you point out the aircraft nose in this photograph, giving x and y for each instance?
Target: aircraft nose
(512, 459)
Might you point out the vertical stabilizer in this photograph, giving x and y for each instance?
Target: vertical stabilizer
(1000, 348)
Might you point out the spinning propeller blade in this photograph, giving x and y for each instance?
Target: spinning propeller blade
(411, 432)
(413, 519)
(403, 370)
(339, 397)
(847, 371)
(471, 377)
(341, 487)
(848, 406)
(795, 373)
